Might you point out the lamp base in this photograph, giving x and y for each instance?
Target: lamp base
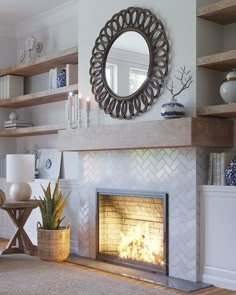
(20, 191)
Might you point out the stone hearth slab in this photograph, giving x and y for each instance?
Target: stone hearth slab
(155, 278)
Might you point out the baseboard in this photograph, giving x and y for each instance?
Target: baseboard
(222, 278)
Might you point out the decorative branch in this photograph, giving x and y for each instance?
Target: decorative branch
(185, 81)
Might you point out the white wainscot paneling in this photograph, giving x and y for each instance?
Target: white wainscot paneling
(7, 229)
(217, 236)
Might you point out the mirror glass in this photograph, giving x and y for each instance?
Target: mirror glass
(127, 64)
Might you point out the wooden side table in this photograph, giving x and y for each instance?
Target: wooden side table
(19, 213)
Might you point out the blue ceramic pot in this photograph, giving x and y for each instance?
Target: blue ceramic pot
(230, 173)
(61, 78)
(172, 110)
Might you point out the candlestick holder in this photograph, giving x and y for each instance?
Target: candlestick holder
(80, 122)
(75, 112)
(68, 115)
(88, 117)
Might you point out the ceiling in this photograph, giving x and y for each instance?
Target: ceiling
(13, 12)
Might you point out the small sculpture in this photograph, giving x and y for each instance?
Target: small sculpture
(30, 44)
(174, 109)
(13, 116)
(21, 55)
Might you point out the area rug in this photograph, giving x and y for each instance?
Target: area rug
(25, 275)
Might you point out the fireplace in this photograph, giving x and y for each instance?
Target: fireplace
(132, 229)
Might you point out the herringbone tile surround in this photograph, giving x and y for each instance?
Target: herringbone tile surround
(170, 170)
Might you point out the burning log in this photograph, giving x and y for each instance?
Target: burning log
(136, 247)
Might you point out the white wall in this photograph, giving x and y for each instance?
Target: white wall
(8, 57)
(58, 30)
(209, 41)
(229, 37)
(180, 32)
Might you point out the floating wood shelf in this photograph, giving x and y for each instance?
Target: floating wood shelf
(31, 131)
(184, 132)
(224, 61)
(219, 111)
(38, 98)
(43, 64)
(222, 12)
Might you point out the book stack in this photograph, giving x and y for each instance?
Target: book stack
(218, 162)
(53, 73)
(11, 86)
(13, 124)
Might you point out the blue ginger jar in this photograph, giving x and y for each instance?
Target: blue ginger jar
(230, 173)
(61, 78)
(172, 109)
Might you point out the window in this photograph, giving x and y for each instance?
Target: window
(111, 76)
(136, 79)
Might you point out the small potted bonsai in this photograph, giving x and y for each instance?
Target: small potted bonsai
(53, 239)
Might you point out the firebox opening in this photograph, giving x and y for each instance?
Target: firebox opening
(133, 229)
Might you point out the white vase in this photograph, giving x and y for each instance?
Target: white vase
(172, 109)
(228, 88)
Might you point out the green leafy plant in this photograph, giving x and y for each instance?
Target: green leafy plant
(52, 207)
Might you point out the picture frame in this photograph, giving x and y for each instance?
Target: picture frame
(49, 163)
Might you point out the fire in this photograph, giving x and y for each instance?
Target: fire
(138, 244)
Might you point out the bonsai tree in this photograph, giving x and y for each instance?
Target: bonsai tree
(52, 207)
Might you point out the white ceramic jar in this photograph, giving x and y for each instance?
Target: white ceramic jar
(228, 88)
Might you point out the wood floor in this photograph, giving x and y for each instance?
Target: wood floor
(207, 291)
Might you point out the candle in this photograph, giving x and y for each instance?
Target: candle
(80, 101)
(71, 100)
(88, 103)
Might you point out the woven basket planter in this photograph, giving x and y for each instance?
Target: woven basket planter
(54, 245)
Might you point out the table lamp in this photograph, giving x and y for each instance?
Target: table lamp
(20, 170)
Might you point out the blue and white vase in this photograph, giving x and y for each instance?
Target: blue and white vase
(61, 78)
(230, 173)
(36, 173)
(172, 109)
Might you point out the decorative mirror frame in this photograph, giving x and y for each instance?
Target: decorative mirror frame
(144, 22)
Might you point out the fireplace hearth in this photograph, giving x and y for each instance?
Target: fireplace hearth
(132, 229)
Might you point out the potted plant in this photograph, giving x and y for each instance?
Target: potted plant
(53, 239)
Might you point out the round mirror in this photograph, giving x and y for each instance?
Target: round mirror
(127, 64)
(129, 35)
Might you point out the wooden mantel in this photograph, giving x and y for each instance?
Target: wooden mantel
(183, 132)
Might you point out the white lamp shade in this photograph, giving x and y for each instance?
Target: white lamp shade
(20, 168)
